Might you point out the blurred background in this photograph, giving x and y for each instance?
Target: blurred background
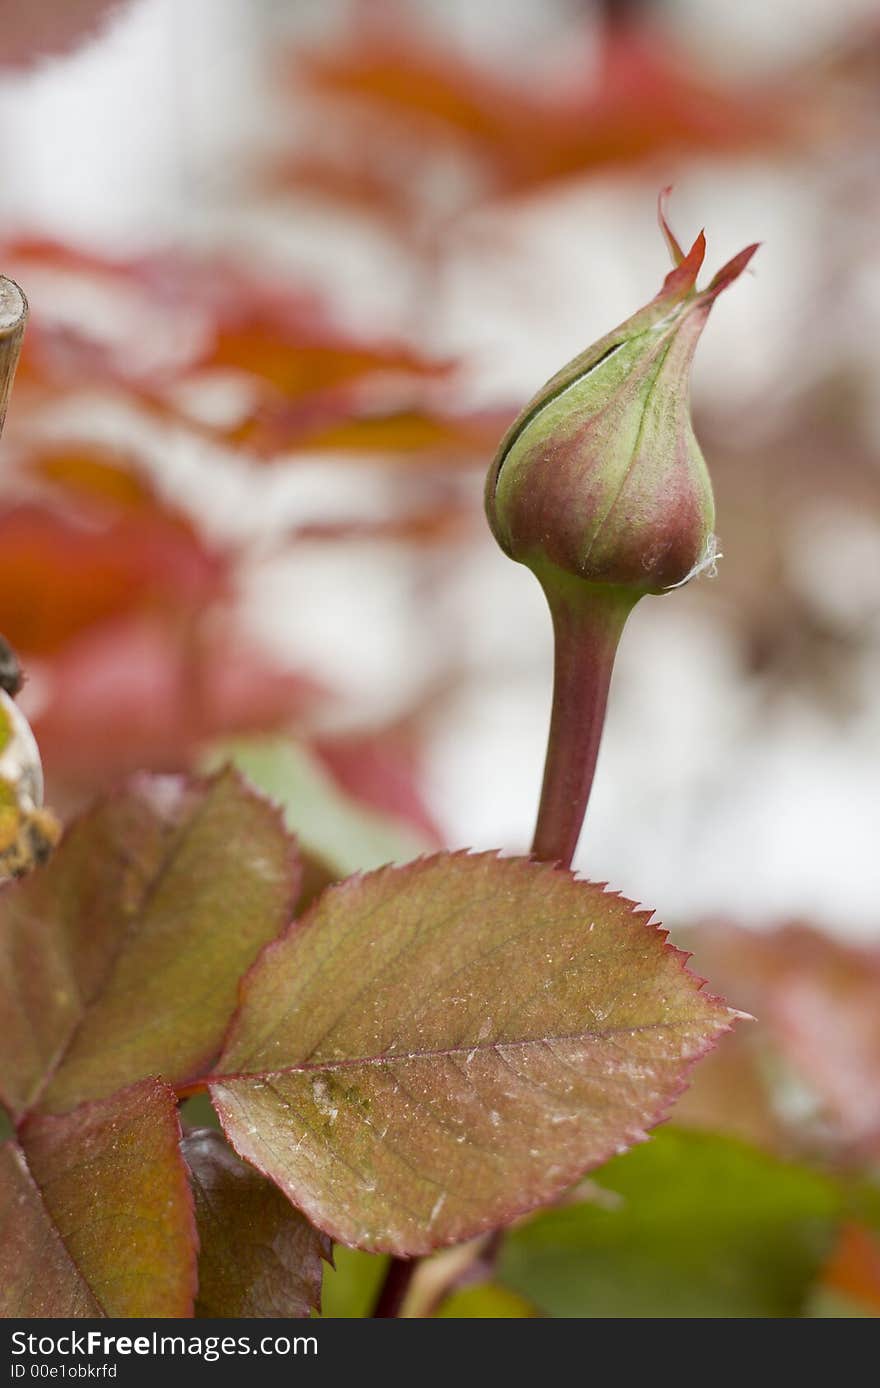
(292, 269)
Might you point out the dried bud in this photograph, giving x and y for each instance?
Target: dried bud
(21, 773)
(28, 833)
(601, 476)
(13, 316)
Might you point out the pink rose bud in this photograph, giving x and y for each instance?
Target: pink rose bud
(601, 475)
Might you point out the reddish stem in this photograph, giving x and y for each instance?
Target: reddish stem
(394, 1288)
(587, 623)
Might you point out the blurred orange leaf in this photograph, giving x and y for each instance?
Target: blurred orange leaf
(854, 1267)
(638, 98)
(124, 615)
(310, 382)
(92, 472)
(347, 422)
(297, 362)
(424, 433)
(62, 570)
(313, 381)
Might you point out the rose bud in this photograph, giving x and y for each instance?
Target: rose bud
(601, 475)
(600, 488)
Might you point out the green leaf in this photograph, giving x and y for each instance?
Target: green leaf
(258, 1256)
(330, 825)
(198, 1112)
(435, 1049)
(96, 1214)
(827, 1304)
(689, 1225)
(352, 1284)
(121, 958)
(486, 1302)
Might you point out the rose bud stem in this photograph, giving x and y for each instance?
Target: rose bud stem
(587, 626)
(395, 1288)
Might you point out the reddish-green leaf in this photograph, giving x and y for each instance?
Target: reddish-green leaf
(121, 959)
(258, 1256)
(37, 1276)
(96, 1213)
(437, 1048)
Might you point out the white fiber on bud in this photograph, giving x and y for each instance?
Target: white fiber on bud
(707, 566)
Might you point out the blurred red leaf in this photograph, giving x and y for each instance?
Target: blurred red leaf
(312, 382)
(31, 31)
(59, 357)
(126, 617)
(135, 693)
(167, 302)
(819, 1000)
(281, 336)
(641, 97)
(381, 770)
(311, 378)
(729, 1094)
(344, 179)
